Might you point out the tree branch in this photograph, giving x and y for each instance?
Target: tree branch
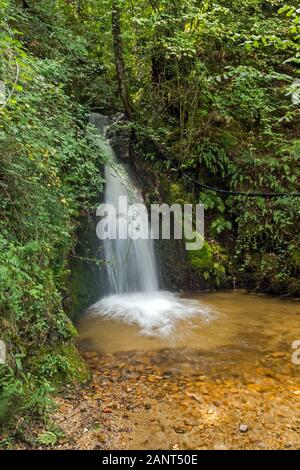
(119, 59)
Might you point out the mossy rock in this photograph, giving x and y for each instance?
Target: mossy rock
(211, 264)
(85, 285)
(61, 363)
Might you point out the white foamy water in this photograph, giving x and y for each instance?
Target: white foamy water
(155, 313)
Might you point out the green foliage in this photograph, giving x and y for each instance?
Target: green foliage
(212, 88)
(50, 436)
(211, 263)
(49, 173)
(47, 438)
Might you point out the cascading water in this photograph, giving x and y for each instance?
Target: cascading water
(130, 264)
(131, 285)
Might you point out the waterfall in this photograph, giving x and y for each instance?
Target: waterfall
(130, 264)
(131, 279)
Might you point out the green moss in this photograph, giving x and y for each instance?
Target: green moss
(211, 263)
(178, 195)
(60, 364)
(84, 282)
(83, 288)
(31, 391)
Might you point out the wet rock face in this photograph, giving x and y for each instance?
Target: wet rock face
(120, 135)
(173, 265)
(172, 260)
(85, 283)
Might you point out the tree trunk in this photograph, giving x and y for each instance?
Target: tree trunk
(119, 60)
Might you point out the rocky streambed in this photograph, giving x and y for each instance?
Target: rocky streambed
(174, 400)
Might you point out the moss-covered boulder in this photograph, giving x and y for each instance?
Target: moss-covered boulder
(85, 282)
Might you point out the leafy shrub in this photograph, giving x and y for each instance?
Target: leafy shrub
(49, 173)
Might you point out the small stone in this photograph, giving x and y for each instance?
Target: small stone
(107, 410)
(129, 389)
(101, 438)
(195, 396)
(220, 446)
(261, 445)
(244, 428)
(153, 378)
(278, 355)
(91, 355)
(217, 403)
(201, 378)
(179, 430)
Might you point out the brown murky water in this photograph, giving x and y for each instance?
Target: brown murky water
(216, 373)
(238, 321)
